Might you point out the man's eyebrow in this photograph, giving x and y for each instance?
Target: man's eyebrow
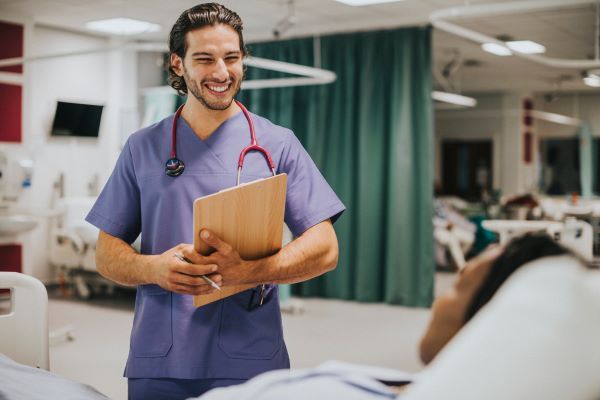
(205, 53)
(201, 53)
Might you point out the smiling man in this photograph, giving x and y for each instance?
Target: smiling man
(176, 350)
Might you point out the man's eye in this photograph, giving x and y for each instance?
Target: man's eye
(232, 59)
(204, 60)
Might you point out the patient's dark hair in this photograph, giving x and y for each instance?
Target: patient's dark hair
(518, 252)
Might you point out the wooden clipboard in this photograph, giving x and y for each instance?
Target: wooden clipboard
(249, 217)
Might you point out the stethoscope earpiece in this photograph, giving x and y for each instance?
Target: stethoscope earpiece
(174, 167)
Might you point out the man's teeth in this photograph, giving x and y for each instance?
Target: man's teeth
(218, 88)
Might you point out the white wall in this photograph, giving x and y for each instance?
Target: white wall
(497, 117)
(108, 78)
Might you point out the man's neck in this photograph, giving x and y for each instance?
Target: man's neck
(203, 120)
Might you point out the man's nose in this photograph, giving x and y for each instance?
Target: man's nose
(220, 72)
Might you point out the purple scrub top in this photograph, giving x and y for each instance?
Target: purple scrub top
(170, 337)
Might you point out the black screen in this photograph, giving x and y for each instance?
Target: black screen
(74, 119)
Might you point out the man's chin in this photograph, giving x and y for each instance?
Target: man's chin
(216, 105)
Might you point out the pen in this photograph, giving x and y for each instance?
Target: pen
(206, 278)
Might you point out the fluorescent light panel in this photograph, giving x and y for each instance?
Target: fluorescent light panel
(366, 2)
(556, 118)
(496, 49)
(122, 26)
(453, 98)
(526, 47)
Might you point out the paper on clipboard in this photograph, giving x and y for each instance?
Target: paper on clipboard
(249, 217)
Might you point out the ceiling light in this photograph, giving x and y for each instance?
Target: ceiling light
(496, 49)
(453, 98)
(365, 2)
(592, 80)
(556, 118)
(122, 26)
(526, 47)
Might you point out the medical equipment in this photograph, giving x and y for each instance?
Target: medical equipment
(174, 166)
(15, 175)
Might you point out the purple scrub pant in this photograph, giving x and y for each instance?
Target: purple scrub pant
(174, 389)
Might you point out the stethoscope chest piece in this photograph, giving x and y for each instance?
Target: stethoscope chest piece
(174, 167)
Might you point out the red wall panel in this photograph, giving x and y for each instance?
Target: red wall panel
(10, 113)
(11, 44)
(11, 258)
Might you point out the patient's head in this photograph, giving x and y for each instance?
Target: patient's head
(476, 285)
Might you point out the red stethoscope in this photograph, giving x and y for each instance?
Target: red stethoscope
(174, 166)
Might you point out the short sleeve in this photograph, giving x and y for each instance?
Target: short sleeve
(117, 210)
(310, 199)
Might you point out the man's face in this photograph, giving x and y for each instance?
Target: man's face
(449, 310)
(212, 67)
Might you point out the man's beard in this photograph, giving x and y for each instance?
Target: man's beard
(196, 91)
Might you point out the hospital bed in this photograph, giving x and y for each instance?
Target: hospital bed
(24, 327)
(574, 234)
(24, 340)
(453, 233)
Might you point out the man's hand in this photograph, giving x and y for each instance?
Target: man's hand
(181, 277)
(231, 266)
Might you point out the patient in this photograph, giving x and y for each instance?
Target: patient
(505, 351)
(535, 335)
(477, 283)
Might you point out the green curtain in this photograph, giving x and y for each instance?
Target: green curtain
(371, 135)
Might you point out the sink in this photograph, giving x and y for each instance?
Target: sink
(11, 225)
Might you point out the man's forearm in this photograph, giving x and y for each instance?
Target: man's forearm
(119, 262)
(312, 254)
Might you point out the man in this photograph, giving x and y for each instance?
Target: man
(177, 350)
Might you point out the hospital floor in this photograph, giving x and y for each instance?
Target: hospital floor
(374, 334)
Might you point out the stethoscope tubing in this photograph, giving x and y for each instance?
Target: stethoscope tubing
(175, 166)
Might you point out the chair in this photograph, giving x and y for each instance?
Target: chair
(24, 330)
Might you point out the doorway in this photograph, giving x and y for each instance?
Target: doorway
(467, 168)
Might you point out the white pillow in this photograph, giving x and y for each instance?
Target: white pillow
(538, 338)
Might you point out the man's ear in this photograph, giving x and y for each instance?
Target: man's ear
(177, 64)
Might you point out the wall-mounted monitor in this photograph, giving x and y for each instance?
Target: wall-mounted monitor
(76, 119)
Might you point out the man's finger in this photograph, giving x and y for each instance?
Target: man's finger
(195, 269)
(192, 256)
(194, 280)
(215, 242)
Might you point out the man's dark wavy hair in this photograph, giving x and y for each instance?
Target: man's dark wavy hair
(518, 252)
(199, 16)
